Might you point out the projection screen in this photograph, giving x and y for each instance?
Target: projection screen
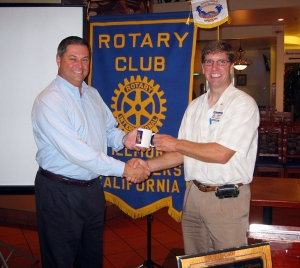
(29, 36)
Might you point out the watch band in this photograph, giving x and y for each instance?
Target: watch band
(123, 140)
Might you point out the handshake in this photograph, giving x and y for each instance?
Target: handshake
(136, 170)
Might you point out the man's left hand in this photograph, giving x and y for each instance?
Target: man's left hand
(130, 140)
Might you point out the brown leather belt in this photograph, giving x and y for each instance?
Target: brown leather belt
(207, 188)
(66, 180)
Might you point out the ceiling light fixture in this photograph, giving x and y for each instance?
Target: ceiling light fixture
(241, 64)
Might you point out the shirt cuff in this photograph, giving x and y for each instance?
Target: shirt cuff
(118, 168)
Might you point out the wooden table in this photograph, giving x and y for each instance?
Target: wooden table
(274, 192)
(284, 243)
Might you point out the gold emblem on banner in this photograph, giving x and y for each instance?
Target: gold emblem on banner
(139, 103)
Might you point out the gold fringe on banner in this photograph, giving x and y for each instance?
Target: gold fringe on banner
(138, 213)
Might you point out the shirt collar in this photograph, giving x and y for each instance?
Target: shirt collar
(224, 95)
(71, 89)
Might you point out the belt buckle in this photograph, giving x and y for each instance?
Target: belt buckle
(206, 187)
(64, 180)
(203, 187)
(87, 183)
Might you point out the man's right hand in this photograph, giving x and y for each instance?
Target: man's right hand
(135, 174)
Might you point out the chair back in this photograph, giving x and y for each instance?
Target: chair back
(283, 116)
(270, 141)
(265, 114)
(291, 142)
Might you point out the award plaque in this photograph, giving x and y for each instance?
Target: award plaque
(251, 256)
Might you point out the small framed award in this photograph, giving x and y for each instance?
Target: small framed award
(255, 255)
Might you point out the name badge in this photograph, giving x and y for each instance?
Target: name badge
(215, 117)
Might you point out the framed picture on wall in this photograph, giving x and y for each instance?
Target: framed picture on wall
(241, 79)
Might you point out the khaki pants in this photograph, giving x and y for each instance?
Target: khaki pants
(210, 223)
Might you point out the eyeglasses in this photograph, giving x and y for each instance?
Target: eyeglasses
(219, 62)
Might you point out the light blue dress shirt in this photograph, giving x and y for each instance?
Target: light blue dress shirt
(72, 133)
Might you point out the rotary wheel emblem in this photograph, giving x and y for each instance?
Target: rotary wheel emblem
(138, 103)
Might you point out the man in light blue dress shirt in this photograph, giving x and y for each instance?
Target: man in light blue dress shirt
(72, 128)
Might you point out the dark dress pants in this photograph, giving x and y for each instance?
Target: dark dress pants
(70, 223)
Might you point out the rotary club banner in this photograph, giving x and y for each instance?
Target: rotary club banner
(209, 13)
(142, 66)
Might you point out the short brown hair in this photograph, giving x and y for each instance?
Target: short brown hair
(71, 40)
(218, 46)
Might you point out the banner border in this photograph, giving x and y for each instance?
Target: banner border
(134, 20)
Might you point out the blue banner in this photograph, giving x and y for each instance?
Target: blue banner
(142, 66)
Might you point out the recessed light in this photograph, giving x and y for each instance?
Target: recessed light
(280, 19)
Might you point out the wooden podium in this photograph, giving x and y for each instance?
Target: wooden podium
(284, 243)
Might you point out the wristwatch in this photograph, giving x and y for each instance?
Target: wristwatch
(123, 140)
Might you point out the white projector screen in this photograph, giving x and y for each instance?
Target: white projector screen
(29, 36)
